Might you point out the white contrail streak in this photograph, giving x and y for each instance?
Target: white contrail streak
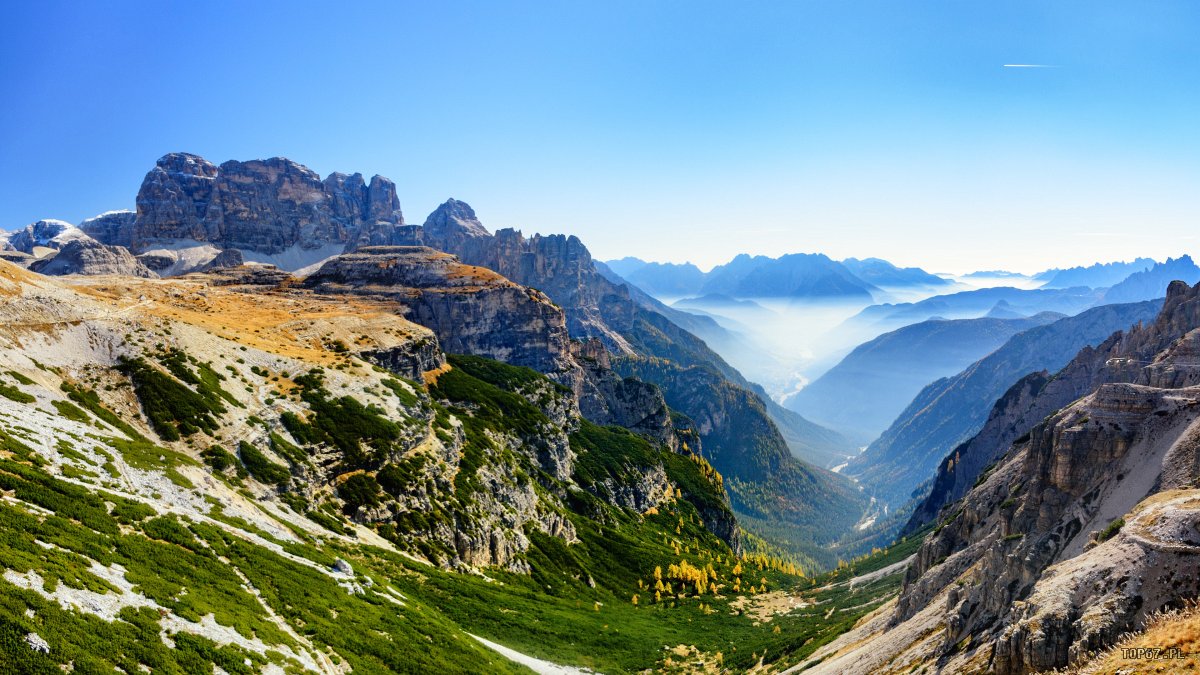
(1028, 65)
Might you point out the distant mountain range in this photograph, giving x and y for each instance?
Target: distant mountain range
(863, 393)
(1153, 282)
(795, 275)
(884, 274)
(1002, 301)
(952, 409)
(659, 279)
(1100, 275)
(719, 301)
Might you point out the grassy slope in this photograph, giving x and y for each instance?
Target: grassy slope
(575, 607)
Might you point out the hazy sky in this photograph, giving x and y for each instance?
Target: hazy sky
(666, 130)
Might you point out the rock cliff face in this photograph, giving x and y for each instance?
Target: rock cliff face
(960, 468)
(90, 257)
(472, 310)
(265, 206)
(607, 398)
(114, 228)
(1085, 527)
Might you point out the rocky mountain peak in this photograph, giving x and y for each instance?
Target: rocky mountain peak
(454, 219)
(382, 202)
(1179, 293)
(271, 207)
(46, 233)
(187, 164)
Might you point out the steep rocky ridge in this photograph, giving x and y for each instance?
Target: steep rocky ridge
(1085, 527)
(1120, 358)
(865, 391)
(953, 410)
(474, 310)
(650, 346)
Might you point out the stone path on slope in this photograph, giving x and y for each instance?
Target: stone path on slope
(536, 665)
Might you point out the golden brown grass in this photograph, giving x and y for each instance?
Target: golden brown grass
(1178, 629)
(13, 277)
(291, 324)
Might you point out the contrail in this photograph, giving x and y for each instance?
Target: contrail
(1028, 65)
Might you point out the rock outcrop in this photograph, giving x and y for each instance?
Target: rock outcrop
(267, 206)
(89, 257)
(411, 359)
(608, 398)
(17, 257)
(230, 257)
(472, 310)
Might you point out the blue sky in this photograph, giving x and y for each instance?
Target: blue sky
(666, 130)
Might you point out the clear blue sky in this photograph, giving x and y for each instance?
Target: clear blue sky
(667, 130)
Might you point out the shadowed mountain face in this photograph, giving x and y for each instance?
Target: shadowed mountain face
(862, 394)
(953, 409)
(1084, 528)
